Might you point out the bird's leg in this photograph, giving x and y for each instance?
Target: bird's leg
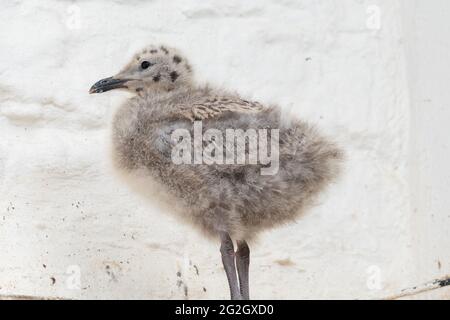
(242, 264)
(227, 251)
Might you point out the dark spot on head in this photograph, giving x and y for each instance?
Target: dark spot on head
(138, 58)
(53, 280)
(139, 89)
(174, 76)
(188, 67)
(204, 289)
(164, 49)
(178, 274)
(176, 59)
(153, 51)
(157, 77)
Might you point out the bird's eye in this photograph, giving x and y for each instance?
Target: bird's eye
(145, 64)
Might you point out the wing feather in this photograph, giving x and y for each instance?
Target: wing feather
(216, 106)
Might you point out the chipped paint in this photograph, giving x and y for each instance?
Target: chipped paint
(426, 287)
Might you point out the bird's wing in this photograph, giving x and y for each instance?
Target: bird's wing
(216, 106)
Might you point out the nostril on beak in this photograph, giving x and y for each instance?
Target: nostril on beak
(104, 81)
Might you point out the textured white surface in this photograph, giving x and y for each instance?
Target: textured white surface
(371, 235)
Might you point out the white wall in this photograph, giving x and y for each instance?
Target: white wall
(427, 51)
(359, 69)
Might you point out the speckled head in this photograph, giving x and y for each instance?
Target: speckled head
(153, 68)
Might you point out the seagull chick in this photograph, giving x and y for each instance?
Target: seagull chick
(225, 200)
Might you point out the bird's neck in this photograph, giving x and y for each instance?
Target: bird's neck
(161, 94)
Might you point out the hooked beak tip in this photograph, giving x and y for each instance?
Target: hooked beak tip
(95, 89)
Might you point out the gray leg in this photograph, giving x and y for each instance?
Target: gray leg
(227, 251)
(242, 264)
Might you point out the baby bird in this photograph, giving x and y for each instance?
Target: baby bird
(226, 200)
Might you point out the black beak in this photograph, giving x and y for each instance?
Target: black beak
(108, 84)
